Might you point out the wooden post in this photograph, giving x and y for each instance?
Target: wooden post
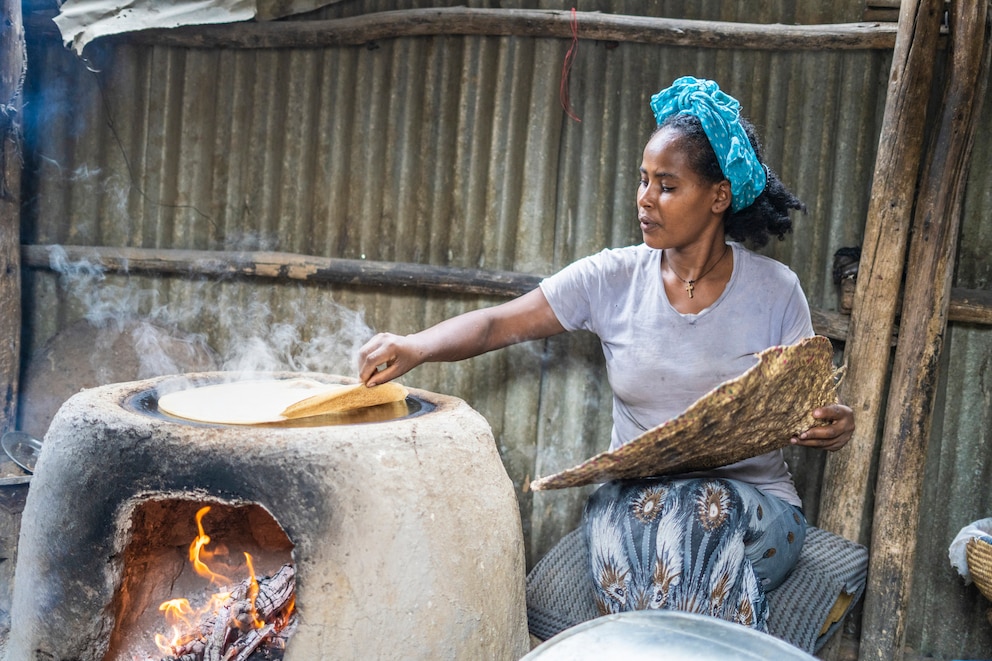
(845, 484)
(929, 271)
(12, 67)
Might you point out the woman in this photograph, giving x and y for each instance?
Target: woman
(676, 316)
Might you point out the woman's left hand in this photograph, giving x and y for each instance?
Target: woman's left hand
(832, 436)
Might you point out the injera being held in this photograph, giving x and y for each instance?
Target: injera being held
(755, 413)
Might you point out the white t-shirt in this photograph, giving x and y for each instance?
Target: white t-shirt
(659, 361)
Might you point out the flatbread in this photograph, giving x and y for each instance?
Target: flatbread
(755, 413)
(349, 398)
(249, 402)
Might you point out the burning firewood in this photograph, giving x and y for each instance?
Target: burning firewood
(243, 647)
(255, 614)
(217, 640)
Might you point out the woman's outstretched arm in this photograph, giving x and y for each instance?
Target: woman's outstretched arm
(528, 317)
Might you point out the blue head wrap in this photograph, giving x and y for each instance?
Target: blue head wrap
(719, 113)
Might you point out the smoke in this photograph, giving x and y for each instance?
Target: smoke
(163, 352)
(104, 305)
(325, 339)
(303, 330)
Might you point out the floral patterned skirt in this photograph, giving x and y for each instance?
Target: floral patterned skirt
(701, 545)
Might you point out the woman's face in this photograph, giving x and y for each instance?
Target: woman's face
(675, 205)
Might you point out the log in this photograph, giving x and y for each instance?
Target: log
(282, 265)
(845, 481)
(221, 636)
(217, 640)
(195, 655)
(369, 28)
(13, 62)
(930, 267)
(245, 646)
(275, 592)
(968, 306)
(359, 273)
(830, 324)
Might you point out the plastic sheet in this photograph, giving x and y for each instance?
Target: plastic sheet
(956, 551)
(82, 21)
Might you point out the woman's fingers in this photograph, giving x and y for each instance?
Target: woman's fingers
(375, 353)
(831, 436)
(387, 356)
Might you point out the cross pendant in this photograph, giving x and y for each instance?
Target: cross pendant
(689, 286)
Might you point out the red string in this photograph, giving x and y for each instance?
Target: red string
(566, 68)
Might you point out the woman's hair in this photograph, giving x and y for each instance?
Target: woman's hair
(768, 215)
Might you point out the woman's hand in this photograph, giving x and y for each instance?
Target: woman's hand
(395, 354)
(832, 436)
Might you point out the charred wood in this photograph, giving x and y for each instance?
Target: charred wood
(243, 647)
(230, 634)
(217, 640)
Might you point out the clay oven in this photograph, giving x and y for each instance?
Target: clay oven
(403, 533)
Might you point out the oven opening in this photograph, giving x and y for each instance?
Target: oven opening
(202, 579)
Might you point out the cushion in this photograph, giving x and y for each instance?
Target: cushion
(831, 571)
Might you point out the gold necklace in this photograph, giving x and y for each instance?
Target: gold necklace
(690, 284)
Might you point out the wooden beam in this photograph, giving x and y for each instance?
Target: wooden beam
(915, 372)
(830, 324)
(12, 66)
(292, 266)
(369, 28)
(969, 306)
(883, 254)
(351, 272)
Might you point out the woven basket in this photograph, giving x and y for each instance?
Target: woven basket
(754, 413)
(979, 552)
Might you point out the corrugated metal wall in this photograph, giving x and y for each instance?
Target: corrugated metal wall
(456, 151)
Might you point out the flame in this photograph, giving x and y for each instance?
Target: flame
(176, 607)
(287, 613)
(179, 614)
(183, 618)
(196, 551)
(257, 622)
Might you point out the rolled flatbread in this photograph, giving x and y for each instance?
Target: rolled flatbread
(348, 398)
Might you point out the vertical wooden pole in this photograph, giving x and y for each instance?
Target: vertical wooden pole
(845, 495)
(13, 63)
(929, 271)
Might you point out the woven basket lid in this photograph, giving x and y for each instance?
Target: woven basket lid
(755, 413)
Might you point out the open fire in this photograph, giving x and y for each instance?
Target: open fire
(256, 615)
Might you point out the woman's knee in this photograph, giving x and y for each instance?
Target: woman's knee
(775, 548)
